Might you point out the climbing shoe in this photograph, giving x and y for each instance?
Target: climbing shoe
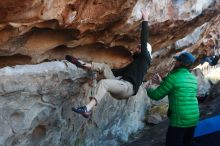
(83, 111)
(75, 61)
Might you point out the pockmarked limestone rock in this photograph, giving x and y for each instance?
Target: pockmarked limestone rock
(35, 108)
(34, 31)
(204, 85)
(157, 113)
(215, 92)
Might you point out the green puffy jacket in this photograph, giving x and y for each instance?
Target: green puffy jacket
(181, 87)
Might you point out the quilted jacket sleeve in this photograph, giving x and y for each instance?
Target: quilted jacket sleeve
(160, 92)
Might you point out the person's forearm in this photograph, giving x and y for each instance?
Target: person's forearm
(153, 95)
(144, 36)
(144, 30)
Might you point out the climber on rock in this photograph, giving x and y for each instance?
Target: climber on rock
(210, 53)
(181, 87)
(212, 60)
(121, 83)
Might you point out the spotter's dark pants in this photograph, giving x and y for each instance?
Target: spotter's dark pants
(180, 136)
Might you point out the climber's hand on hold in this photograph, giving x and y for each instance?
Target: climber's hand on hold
(145, 13)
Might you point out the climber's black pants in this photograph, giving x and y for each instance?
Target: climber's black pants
(179, 136)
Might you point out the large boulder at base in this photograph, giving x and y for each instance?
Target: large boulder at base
(35, 109)
(215, 90)
(203, 83)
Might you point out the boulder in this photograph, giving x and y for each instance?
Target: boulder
(35, 108)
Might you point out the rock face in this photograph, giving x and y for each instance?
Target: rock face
(215, 90)
(204, 85)
(36, 101)
(33, 31)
